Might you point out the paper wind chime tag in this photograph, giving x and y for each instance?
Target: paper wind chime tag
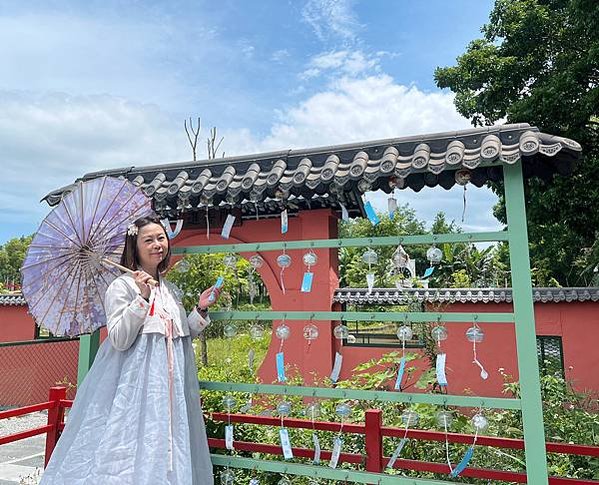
(229, 437)
(344, 213)
(397, 452)
(316, 443)
(400, 372)
(307, 282)
(440, 370)
(392, 206)
(254, 481)
(285, 444)
(227, 226)
(461, 466)
(370, 277)
(371, 214)
(284, 222)
(336, 453)
(281, 367)
(336, 367)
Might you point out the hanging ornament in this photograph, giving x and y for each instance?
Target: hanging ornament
(312, 411)
(283, 262)
(434, 255)
(225, 232)
(403, 333)
(462, 177)
(230, 261)
(282, 332)
(284, 408)
(183, 265)
(230, 330)
(284, 221)
(444, 420)
(410, 419)
(310, 259)
(256, 332)
(391, 205)
(227, 477)
(370, 257)
(310, 332)
(475, 335)
(256, 262)
(341, 332)
(343, 410)
(439, 334)
(229, 402)
(400, 267)
(479, 422)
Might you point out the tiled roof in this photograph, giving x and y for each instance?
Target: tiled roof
(12, 300)
(323, 177)
(394, 296)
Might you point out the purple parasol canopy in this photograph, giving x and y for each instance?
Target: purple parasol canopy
(63, 278)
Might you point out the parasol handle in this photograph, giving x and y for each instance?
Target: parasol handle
(152, 281)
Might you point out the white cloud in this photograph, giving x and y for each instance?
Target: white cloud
(332, 19)
(50, 140)
(343, 62)
(280, 55)
(375, 107)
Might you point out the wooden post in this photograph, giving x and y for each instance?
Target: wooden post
(55, 419)
(374, 440)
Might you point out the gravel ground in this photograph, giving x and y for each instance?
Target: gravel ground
(23, 423)
(21, 462)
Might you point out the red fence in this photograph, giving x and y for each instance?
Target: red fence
(373, 430)
(30, 368)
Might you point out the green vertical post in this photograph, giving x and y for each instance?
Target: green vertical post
(88, 348)
(526, 339)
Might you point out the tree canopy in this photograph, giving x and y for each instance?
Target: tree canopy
(538, 62)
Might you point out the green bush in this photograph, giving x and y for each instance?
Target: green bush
(569, 417)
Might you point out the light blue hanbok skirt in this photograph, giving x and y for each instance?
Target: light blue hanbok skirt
(117, 432)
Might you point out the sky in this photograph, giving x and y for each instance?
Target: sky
(93, 85)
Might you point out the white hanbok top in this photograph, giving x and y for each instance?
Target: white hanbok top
(128, 313)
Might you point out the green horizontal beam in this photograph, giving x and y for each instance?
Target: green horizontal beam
(319, 472)
(344, 243)
(362, 316)
(386, 396)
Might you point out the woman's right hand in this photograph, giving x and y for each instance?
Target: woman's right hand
(142, 281)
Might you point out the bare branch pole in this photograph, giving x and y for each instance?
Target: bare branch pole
(196, 133)
(212, 145)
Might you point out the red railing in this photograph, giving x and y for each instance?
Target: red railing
(373, 430)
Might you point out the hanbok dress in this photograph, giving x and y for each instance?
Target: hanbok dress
(136, 419)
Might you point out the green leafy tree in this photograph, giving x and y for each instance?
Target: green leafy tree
(538, 62)
(12, 255)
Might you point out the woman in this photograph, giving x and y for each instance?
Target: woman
(136, 419)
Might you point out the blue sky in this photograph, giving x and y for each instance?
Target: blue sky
(93, 85)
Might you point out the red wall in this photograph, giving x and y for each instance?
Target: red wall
(15, 324)
(316, 224)
(577, 323)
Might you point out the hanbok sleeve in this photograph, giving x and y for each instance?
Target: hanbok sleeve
(197, 322)
(125, 314)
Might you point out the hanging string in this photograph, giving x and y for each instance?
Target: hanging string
(207, 224)
(464, 209)
(447, 445)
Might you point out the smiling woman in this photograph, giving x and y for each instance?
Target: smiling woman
(136, 419)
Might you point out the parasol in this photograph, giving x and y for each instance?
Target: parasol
(73, 256)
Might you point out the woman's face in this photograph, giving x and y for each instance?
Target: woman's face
(152, 246)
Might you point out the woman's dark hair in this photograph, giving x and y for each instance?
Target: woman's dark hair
(130, 258)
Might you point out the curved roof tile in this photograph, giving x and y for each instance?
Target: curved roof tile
(443, 159)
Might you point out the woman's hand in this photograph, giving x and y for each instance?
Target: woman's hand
(205, 300)
(142, 281)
